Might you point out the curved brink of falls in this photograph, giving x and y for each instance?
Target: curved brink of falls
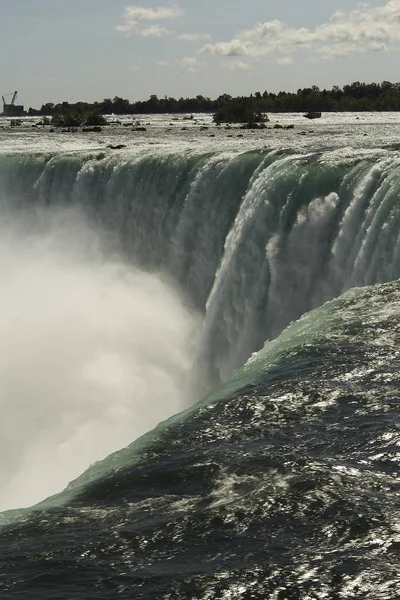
(254, 239)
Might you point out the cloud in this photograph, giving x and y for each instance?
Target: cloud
(361, 30)
(338, 51)
(237, 65)
(155, 31)
(191, 63)
(194, 37)
(162, 63)
(134, 15)
(284, 60)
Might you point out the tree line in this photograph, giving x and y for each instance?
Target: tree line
(355, 97)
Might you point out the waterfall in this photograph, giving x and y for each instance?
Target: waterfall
(253, 240)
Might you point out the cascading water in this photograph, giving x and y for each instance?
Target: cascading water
(253, 239)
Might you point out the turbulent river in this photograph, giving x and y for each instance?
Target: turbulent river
(199, 360)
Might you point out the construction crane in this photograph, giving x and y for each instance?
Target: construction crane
(14, 97)
(12, 109)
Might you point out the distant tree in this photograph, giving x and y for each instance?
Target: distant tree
(47, 109)
(107, 106)
(121, 106)
(95, 119)
(357, 96)
(70, 118)
(239, 110)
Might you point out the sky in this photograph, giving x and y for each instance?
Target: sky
(56, 50)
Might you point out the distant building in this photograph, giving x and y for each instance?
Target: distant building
(12, 109)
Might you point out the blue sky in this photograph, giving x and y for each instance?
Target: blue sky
(54, 50)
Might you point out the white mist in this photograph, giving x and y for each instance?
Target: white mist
(93, 352)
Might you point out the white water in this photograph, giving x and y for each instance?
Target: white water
(347, 134)
(93, 352)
